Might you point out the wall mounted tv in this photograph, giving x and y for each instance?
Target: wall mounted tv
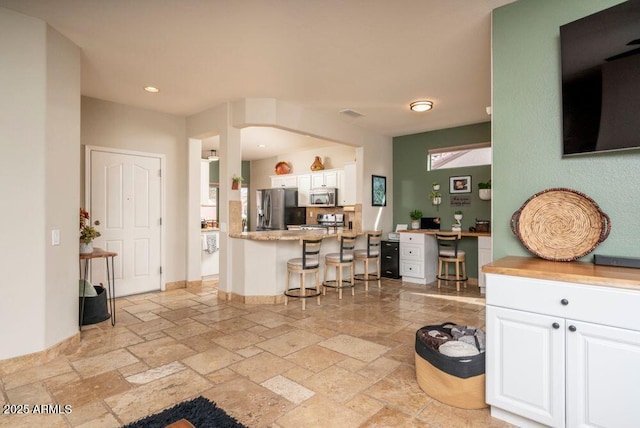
(601, 81)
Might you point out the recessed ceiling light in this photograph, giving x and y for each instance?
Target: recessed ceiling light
(420, 106)
(151, 89)
(262, 145)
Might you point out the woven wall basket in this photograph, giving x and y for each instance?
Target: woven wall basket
(560, 224)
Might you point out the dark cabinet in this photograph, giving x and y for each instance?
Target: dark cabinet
(390, 262)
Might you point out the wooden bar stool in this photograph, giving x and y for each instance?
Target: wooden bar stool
(448, 252)
(368, 255)
(340, 260)
(308, 263)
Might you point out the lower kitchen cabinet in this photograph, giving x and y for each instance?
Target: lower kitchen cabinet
(390, 262)
(418, 257)
(562, 354)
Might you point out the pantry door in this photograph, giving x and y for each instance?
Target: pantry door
(126, 198)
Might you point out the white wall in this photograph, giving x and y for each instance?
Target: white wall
(108, 124)
(39, 165)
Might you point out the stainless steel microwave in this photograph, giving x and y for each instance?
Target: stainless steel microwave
(323, 197)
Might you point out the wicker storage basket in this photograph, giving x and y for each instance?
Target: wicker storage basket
(456, 381)
(560, 224)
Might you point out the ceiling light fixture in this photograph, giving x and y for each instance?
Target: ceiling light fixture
(262, 145)
(213, 157)
(151, 89)
(421, 105)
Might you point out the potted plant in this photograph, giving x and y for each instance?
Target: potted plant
(484, 190)
(457, 225)
(415, 215)
(236, 180)
(435, 195)
(87, 232)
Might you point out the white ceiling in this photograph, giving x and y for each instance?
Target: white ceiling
(372, 56)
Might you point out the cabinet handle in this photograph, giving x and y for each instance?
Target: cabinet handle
(388, 257)
(572, 328)
(564, 302)
(555, 325)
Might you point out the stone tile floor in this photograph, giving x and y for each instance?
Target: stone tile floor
(345, 363)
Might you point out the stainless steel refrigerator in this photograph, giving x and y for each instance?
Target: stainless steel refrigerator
(277, 208)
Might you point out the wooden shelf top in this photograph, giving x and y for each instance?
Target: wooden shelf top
(579, 272)
(433, 232)
(98, 253)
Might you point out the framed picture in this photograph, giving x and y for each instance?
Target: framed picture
(461, 184)
(378, 191)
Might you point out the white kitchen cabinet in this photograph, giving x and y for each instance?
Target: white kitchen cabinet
(418, 258)
(484, 257)
(326, 178)
(304, 188)
(204, 183)
(347, 189)
(287, 180)
(562, 353)
(210, 261)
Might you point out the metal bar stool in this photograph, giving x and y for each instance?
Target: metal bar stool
(369, 255)
(308, 263)
(340, 260)
(448, 252)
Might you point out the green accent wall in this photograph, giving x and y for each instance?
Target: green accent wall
(412, 182)
(214, 172)
(527, 129)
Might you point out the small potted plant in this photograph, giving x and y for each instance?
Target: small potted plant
(87, 232)
(484, 190)
(435, 195)
(236, 181)
(457, 225)
(415, 215)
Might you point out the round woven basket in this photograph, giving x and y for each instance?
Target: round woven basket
(560, 224)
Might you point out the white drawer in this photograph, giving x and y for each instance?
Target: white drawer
(411, 252)
(412, 238)
(414, 269)
(590, 303)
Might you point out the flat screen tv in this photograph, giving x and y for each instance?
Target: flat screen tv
(601, 81)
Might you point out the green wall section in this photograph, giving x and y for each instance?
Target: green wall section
(214, 172)
(412, 181)
(527, 129)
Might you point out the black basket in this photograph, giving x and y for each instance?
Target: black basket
(462, 367)
(95, 308)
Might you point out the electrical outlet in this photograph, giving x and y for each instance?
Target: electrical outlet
(55, 237)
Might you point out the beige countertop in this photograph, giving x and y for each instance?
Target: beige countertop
(580, 272)
(209, 229)
(285, 235)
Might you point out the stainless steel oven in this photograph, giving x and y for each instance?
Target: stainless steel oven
(323, 197)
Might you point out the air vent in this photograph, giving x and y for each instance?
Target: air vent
(351, 113)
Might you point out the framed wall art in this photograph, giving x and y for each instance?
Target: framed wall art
(460, 184)
(378, 191)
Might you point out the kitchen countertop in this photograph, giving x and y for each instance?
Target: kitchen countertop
(285, 235)
(433, 232)
(210, 229)
(580, 272)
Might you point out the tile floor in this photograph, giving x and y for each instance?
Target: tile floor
(345, 363)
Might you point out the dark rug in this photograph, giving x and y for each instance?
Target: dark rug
(201, 412)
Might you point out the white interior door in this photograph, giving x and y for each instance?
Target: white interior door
(126, 199)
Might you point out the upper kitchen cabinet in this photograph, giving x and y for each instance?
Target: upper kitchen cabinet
(287, 180)
(327, 178)
(204, 183)
(347, 192)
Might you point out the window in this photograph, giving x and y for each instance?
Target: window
(456, 157)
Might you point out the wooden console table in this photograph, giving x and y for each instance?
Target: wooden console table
(111, 290)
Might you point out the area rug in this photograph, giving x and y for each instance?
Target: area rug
(200, 412)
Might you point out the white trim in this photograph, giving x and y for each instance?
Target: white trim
(87, 191)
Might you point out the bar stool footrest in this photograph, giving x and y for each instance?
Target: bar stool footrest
(451, 278)
(332, 283)
(361, 277)
(296, 293)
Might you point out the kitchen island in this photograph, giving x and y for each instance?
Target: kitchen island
(259, 262)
